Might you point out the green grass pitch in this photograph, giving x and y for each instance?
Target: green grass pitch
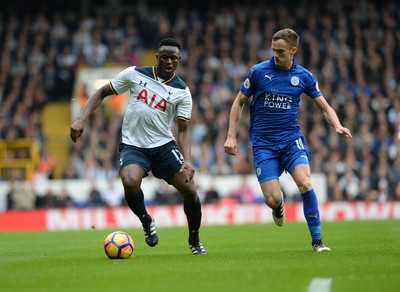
(365, 257)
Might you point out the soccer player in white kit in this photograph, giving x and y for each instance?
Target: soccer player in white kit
(157, 97)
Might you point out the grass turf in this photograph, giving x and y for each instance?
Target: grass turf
(365, 257)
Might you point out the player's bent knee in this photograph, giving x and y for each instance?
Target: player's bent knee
(273, 201)
(187, 191)
(305, 186)
(130, 182)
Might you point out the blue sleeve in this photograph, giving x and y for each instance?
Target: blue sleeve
(312, 89)
(249, 84)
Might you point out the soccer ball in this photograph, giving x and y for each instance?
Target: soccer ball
(118, 245)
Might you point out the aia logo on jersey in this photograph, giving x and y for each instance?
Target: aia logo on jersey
(154, 101)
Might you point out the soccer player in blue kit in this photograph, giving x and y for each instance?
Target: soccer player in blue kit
(275, 135)
(157, 98)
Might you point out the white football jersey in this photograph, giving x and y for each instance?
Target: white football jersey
(152, 106)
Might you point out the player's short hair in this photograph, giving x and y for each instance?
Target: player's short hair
(169, 42)
(288, 35)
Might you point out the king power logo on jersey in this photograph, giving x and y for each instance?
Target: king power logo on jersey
(154, 101)
(277, 101)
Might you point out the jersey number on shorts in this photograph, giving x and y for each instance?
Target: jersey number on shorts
(178, 155)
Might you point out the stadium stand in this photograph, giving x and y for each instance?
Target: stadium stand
(353, 49)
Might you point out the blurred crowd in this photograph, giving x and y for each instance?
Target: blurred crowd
(352, 49)
(24, 194)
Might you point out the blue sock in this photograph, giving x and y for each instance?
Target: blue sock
(311, 213)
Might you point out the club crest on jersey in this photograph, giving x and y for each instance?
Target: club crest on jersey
(169, 95)
(295, 81)
(155, 101)
(247, 83)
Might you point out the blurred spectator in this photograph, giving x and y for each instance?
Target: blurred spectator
(211, 196)
(22, 196)
(64, 200)
(96, 51)
(231, 199)
(244, 192)
(10, 192)
(167, 195)
(47, 164)
(350, 185)
(113, 196)
(70, 172)
(95, 199)
(48, 200)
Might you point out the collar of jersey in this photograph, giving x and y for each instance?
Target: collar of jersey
(156, 78)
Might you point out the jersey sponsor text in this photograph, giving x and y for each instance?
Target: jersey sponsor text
(154, 101)
(277, 101)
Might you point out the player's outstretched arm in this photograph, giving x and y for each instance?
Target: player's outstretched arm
(332, 118)
(230, 145)
(93, 102)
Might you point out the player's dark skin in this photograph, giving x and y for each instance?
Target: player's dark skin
(168, 58)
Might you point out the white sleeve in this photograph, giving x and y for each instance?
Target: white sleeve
(184, 109)
(123, 81)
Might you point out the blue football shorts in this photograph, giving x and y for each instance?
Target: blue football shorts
(270, 162)
(163, 161)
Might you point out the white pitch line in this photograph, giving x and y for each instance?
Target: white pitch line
(320, 285)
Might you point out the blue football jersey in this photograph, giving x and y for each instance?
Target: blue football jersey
(276, 98)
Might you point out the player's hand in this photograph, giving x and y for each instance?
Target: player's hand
(77, 130)
(344, 133)
(230, 146)
(188, 170)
